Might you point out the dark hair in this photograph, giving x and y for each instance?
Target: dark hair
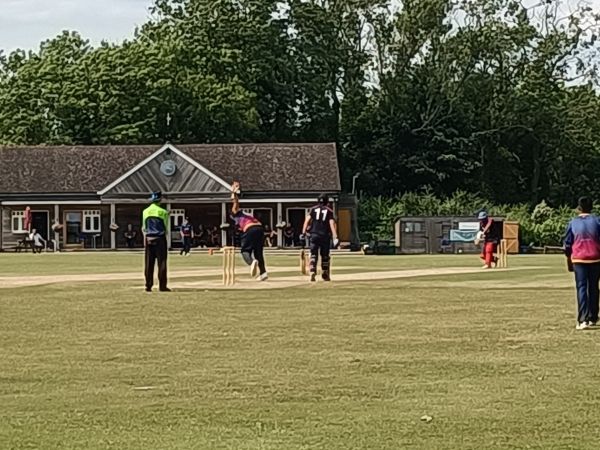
(323, 199)
(584, 204)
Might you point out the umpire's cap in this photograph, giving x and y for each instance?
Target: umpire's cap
(323, 199)
(156, 196)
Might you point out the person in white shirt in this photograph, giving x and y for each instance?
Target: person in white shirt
(38, 243)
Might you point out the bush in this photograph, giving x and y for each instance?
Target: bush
(542, 225)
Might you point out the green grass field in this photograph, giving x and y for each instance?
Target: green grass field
(492, 357)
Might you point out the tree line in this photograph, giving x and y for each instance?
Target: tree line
(484, 96)
(539, 225)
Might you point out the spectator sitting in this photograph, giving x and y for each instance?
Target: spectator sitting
(288, 235)
(38, 243)
(130, 235)
(201, 237)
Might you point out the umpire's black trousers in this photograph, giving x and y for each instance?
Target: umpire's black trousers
(156, 251)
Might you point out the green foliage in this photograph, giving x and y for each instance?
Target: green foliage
(377, 215)
(542, 225)
(549, 226)
(430, 95)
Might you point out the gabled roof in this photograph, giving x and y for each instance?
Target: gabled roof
(90, 169)
(146, 176)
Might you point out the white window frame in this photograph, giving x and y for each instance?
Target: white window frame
(92, 214)
(175, 214)
(20, 216)
(412, 227)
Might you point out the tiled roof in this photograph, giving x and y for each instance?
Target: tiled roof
(88, 169)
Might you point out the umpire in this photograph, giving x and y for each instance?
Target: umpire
(155, 225)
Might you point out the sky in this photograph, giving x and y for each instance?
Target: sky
(26, 23)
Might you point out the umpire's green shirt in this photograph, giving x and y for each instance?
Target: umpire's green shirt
(155, 221)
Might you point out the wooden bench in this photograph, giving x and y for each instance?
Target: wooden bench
(24, 244)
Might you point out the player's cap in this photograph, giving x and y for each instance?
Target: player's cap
(482, 215)
(323, 199)
(156, 196)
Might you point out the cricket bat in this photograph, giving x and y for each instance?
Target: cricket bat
(303, 262)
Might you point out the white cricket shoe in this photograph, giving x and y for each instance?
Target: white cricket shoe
(582, 326)
(254, 268)
(485, 266)
(263, 277)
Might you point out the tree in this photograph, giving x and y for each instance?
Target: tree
(485, 96)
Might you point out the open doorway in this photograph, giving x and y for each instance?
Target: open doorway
(296, 217)
(73, 227)
(40, 220)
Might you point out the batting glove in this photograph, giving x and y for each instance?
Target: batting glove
(302, 239)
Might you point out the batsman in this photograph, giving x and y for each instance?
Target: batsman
(321, 223)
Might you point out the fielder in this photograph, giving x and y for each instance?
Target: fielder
(322, 227)
(582, 248)
(187, 234)
(252, 236)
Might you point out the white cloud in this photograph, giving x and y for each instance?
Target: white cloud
(26, 23)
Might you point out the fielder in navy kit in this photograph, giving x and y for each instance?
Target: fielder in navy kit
(321, 223)
(187, 234)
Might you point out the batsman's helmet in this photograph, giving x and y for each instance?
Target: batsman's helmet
(482, 215)
(156, 197)
(323, 199)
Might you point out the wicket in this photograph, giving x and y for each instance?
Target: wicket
(304, 262)
(228, 266)
(502, 254)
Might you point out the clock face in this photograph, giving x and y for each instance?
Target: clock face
(168, 168)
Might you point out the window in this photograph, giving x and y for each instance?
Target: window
(264, 215)
(73, 226)
(177, 216)
(413, 227)
(297, 212)
(296, 218)
(18, 222)
(91, 221)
